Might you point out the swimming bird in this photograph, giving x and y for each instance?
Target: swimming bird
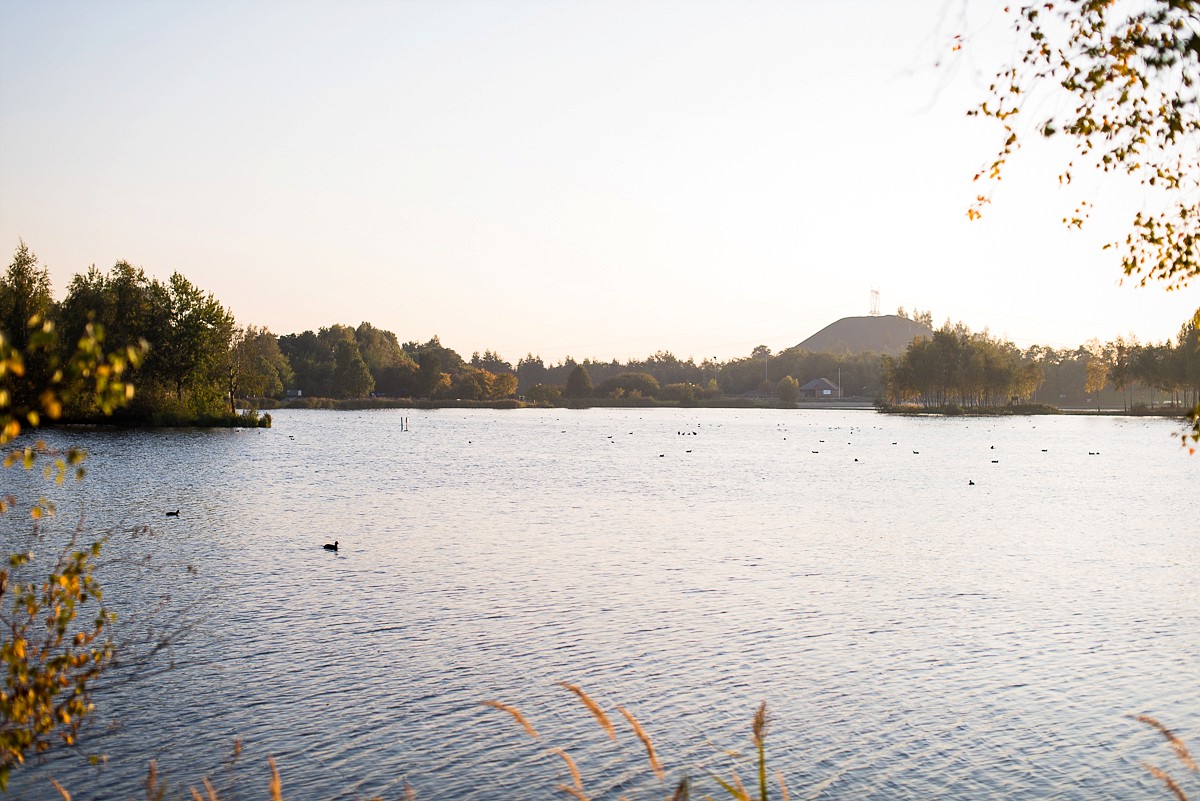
(332, 547)
(173, 514)
(970, 483)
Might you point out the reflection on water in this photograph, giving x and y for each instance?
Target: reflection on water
(914, 634)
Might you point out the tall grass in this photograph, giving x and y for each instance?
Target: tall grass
(683, 785)
(1181, 753)
(680, 788)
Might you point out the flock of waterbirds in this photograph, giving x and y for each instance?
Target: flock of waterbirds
(781, 428)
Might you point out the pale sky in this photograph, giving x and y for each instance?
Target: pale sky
(595, 179)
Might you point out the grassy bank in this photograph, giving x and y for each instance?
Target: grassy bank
(954, 410)
(580, 403)
(248, 418)
(1025, 409)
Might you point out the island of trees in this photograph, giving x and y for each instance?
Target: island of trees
(201, 366)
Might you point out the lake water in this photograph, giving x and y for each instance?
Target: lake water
(915, 636)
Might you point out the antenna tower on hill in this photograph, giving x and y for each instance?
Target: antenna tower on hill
(874, 302)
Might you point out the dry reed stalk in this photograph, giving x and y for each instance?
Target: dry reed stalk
(572, 791)
(1176, 744)
(594, 708)
(760, 724)
(681, 790)
(276, 787)
(208, 786)
(575, 776)
(782, 785)
(737, 790)
(410, 792)
(645, 738)
(61, 790)
(512, 710)
(154, 790)
(1167, 780)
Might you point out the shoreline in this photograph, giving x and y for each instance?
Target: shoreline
(847, 404)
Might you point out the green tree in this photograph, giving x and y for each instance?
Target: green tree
(24, 300)
(630, 384)
(547, 394)
(490, 361)
(196, 338)
(579, 384)
(504, 385)
(24, 295)
(351, 377)
(1188, 347)
(472, 384)
(684, 392)
(305, 353)
(956, 366)
(1098, 367)
(530, 371)
(448, 358)
(392, 369)
(788, 389)
(187, 330)
(259, 368)
(123, 301)
(429, 366)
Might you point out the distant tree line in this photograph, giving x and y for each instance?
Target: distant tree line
(199, 361)
(665, 377)
(958, 367)
(344, 362)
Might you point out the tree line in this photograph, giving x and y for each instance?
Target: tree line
(199, 362)
(963, 368)
(184, 336)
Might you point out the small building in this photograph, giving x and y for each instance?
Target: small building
(820, 388)
(294, 393)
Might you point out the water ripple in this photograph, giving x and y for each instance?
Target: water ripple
(915, 636)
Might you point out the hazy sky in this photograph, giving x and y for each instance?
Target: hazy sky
(597, 179)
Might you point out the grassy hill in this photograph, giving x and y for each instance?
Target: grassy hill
(886, 333)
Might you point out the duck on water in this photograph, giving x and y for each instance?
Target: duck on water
(331, 546)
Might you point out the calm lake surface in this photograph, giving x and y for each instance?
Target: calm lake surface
(914, 636)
